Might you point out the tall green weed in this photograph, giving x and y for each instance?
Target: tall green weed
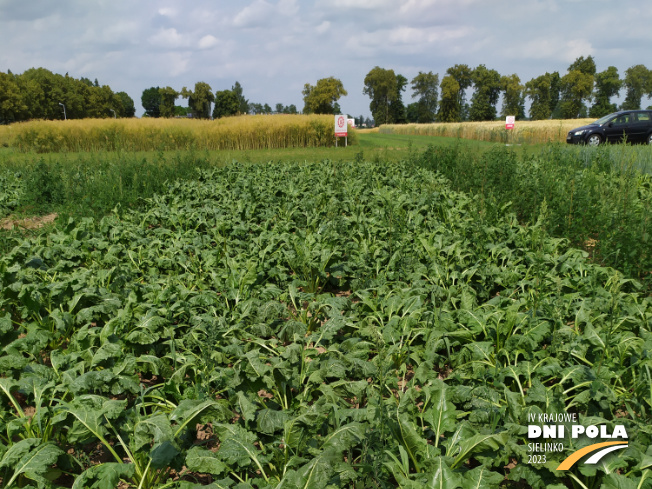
(599, 201)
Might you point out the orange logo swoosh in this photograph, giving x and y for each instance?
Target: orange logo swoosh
(574, 457)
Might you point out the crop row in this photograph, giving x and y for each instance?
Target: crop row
(316, 325)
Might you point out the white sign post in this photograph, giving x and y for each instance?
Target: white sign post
(341, 129)
(510, 121)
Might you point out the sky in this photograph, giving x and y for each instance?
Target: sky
(274, 47)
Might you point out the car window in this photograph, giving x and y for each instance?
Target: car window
(644, 117)
(622, 119)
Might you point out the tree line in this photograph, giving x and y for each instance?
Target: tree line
(580, 92)
(40, 94)
(161, 102)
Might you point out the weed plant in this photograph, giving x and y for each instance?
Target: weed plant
(599, 200)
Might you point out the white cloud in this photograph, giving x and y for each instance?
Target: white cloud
(208, 42)
(169, 38)
(256, 14)
(167, 12)
(323, 27)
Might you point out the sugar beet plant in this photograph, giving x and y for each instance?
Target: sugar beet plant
(311, 326)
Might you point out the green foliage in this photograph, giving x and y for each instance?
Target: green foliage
(168, 96)
(318, 325)
(425, 88)
(43, 187)
(226, 104)
(513, 96)
(12, 106)
(199, 100)
(577, 86)
(543, 91)
(607, 85)
(151, 101)
(322, 98)
(487, 88)
(599, 201)
(381, 86)
(38, 94)
(128, 108)
(637, 82)
(449, 107)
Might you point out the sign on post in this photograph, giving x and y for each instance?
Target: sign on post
(341, 128)
(509, 121)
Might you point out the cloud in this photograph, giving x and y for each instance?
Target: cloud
(256, 14)
(169, 38)
(208, 42)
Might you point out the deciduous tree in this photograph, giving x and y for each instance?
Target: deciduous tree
(226, 104)
(638, 81)
(168, 97)
(449, 107)
(322, 98)
(397, 112)
(513, 96)
(199, 99)
(151, 101)
(607, 85)
(12, 106)
(425, 88)
(576, 87)
(487, 87)
(128, 107)
(382, 87)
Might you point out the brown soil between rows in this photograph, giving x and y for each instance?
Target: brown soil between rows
(35, 222)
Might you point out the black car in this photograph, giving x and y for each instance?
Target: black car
(633, 126)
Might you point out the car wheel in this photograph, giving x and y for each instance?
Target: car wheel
(649, 139)
(594, 140)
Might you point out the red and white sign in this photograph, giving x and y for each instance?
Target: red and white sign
(341, 126)
(509, 121)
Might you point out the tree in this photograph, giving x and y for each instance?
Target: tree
(487, 87)
(541, 92)
(637, 82)
(12, 106)
(255, 108)
(322, 98)
(199, 100)
(425, 88)
(397, 113)
(463, 75)
(576, 87)
(449, 107)
(226, 104)
(412, 112)
(168, 97)
(607, 85)
(513, 96)
(243, 103)
(128, 107)
(151, 101)
(382, 87)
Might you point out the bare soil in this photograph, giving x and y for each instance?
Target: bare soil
(35, 222)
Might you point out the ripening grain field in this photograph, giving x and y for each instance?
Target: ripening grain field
(336, 324)
(528, 132)
(230, 133)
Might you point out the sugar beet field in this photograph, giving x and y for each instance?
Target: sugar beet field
(354, 322)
